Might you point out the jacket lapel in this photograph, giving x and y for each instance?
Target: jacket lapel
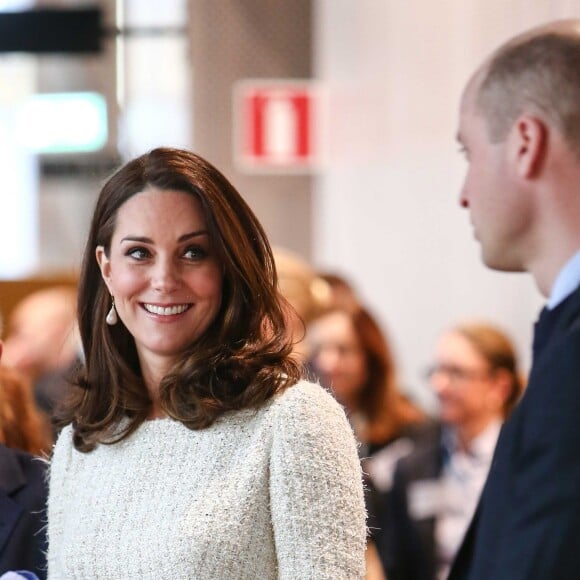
(552, 323)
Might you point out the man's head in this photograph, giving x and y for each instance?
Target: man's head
(535, 73)
(475, 376)
(519, 119)
(40, 332)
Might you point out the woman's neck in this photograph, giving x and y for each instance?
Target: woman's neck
(152, 375)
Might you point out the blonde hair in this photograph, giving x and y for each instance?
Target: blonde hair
(307, 293)
(498, 350)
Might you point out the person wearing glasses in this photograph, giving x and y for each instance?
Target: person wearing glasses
(436, 488)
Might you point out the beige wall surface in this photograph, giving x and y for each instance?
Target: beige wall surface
(232, 41)
(386, 208)
(383, 209)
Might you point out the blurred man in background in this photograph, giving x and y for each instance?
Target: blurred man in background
(42, 342)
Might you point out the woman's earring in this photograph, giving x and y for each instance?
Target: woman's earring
(112, 317)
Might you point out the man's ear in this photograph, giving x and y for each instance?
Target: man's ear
(104, 265)
(1, 347)
(528, 145)
(500, 389)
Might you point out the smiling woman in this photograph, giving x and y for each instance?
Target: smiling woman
(181, 322)
(164, 278)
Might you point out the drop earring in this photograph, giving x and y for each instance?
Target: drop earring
(112, 317)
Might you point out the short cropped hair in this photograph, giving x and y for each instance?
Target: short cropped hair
(539, 74)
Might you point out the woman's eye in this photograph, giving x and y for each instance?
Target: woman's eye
(195, 253)
(138, 253)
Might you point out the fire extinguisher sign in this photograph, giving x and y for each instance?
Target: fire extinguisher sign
(274, 126)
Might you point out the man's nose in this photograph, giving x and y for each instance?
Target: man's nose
(440, 382)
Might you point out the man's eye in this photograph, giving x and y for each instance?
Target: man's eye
(456, 373)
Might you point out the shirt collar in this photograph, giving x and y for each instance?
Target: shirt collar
(566, 282)
(482, 446)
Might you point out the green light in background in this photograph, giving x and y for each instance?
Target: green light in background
(63, 122)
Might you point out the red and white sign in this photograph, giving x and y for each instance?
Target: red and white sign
(274, 125)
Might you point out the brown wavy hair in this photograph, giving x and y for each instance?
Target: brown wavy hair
(382, 406)
(242, 359)
(21, 424)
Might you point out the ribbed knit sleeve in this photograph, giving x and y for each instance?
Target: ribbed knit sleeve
(59, 474)
(316, 494)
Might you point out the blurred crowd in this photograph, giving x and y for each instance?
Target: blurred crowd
(38, 349)
(423, 473)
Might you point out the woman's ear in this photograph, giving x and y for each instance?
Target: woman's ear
(104, 265)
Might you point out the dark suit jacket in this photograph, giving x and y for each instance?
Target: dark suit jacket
(387, 508)
(527, 525)
(23, 493)
(407, 545)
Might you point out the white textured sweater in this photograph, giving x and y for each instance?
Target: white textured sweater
(272, 493)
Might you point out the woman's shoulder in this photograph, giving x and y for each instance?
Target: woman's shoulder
(307, 406)
(65, 438)
(305, 394)
(63, 446)
(61, 460)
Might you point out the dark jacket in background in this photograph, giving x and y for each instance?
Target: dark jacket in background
(407, 545)
(23, 492)
(380, 502)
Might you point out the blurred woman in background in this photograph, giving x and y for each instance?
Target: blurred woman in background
(353, 359)
(23, 491)
(307, 294)
(21, 424)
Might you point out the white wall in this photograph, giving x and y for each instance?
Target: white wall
(385, 208)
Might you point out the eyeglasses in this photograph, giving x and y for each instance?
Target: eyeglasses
(342, 350)
(456, 373)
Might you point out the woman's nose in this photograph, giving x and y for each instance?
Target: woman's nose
(327, 359)
(166, 276)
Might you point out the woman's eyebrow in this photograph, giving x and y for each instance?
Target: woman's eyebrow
(146, 240)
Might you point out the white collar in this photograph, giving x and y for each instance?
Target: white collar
(484, 444)
(481, 447)
(566, 282)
